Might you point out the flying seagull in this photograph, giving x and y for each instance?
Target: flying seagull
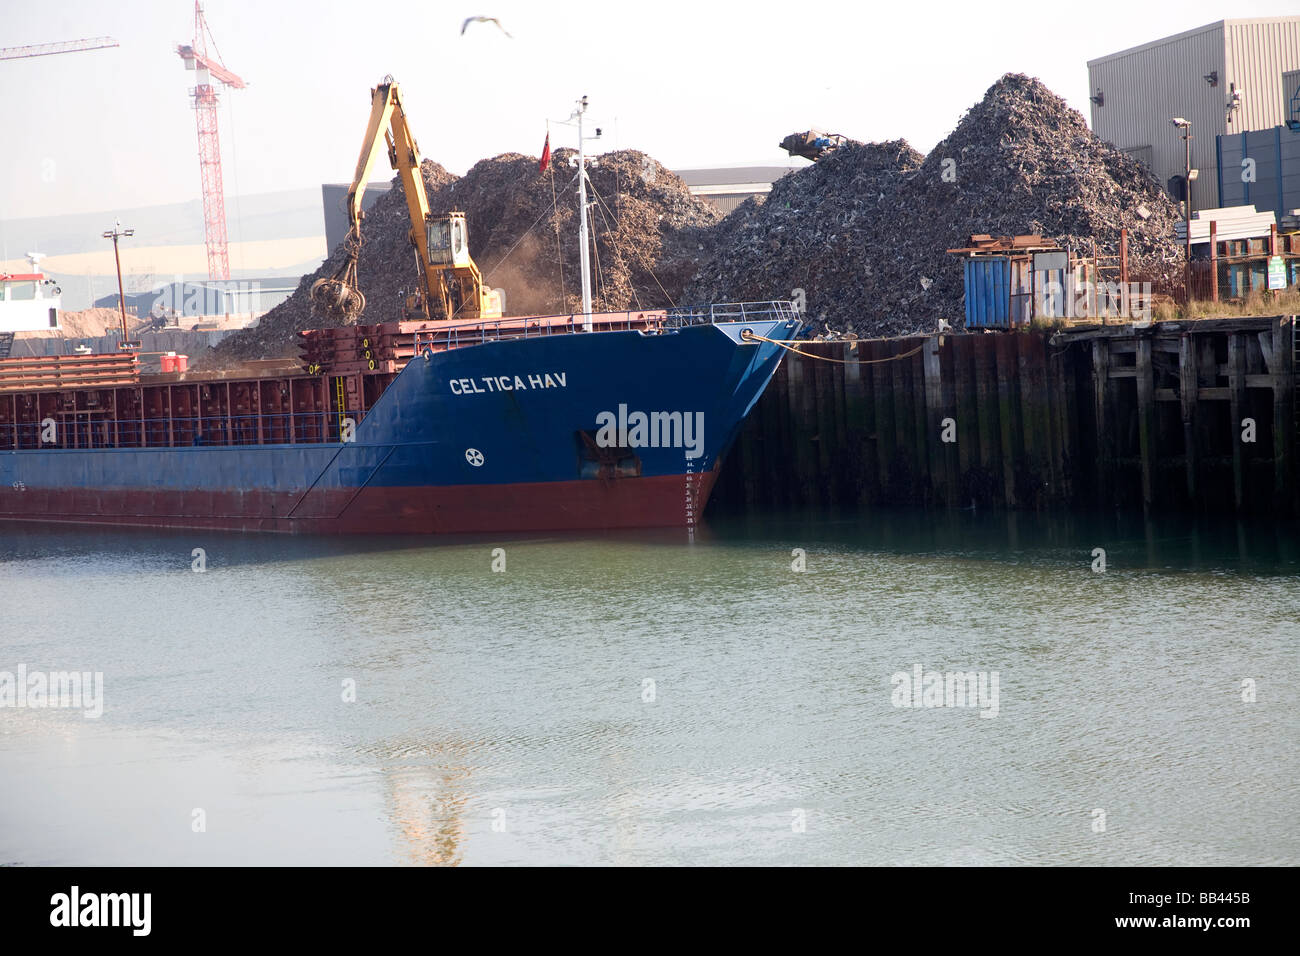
(468, 20)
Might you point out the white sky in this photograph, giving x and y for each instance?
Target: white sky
(692, 83)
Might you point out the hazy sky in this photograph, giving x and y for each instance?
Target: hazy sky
(692, 83)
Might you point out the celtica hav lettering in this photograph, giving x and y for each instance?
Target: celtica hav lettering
(131, 910)
(486, 384)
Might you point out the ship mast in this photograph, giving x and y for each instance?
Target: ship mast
(583, 241)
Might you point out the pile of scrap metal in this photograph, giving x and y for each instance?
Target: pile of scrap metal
(812, 144)
(650, 237)
(864, 230)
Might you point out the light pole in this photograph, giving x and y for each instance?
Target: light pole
(115, 233)
(1186, 126)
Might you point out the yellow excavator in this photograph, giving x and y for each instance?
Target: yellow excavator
(451, 286)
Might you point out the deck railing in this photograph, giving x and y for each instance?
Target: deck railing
(459, 334)
(776, 309)
(387, 347)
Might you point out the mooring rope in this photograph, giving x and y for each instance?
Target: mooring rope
(754, 336)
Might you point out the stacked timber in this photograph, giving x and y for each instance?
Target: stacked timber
(1231, 222)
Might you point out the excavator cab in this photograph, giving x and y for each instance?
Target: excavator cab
(448, 240)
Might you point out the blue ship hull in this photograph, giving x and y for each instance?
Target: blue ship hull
(558, 432)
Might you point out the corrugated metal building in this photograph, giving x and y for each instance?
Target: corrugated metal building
(1291, 90)
(1225, 77)
(1275, 186)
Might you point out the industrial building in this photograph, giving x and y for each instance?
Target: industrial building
(1226, 78)
(186, 303)
(727, 187)
(1273, 159)
(334, 200)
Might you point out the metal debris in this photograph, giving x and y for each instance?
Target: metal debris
(651, 236)
(861, 230)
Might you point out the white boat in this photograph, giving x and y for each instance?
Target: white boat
(29, 301)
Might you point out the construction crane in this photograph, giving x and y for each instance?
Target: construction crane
(204, 102)
(46, 49)
(448, 275)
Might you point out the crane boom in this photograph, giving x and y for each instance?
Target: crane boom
(46, 49)
(448, 274)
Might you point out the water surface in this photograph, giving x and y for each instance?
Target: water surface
(645, 698)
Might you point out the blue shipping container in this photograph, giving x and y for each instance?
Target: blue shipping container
(988, 293)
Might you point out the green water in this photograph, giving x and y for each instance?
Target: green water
(646, 698)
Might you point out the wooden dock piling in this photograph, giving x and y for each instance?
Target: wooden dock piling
(1040, 419)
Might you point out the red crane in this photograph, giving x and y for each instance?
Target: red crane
(204, 101)
(45, 49)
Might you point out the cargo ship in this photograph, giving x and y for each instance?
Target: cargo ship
(455, 419)
(486, 428)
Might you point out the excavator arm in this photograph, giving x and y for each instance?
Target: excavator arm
(449, 278)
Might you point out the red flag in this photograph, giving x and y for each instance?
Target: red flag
(546, 155)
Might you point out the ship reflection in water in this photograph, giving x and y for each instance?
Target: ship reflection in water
(425, 802)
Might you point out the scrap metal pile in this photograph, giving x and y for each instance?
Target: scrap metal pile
(650, 239)
(864, 231)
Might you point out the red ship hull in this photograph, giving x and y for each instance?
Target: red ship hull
(654, 501)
